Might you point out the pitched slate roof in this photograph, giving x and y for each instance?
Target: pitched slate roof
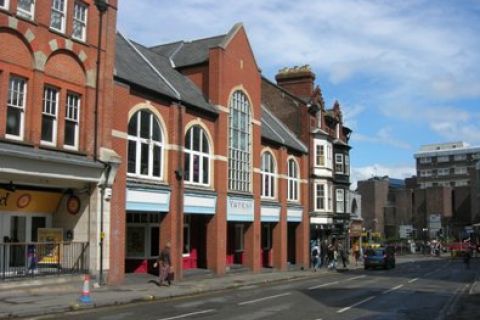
(185, 53)
(273, 129)
(141, 66)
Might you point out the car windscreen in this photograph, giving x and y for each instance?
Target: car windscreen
(377, 252)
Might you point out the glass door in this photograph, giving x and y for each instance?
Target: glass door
(18, 237)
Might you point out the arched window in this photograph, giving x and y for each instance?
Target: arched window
(239, 143)
(268, 175)
(293, 181)
(197, 156)
(145, 146)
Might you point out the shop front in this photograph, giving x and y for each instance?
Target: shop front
(199, 208)
(269, 217)
(240, 215)
(321, 228)
(145, 211)
(294, 218)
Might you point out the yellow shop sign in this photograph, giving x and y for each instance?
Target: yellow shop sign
(29, 201)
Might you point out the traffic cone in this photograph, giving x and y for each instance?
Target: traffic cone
(85, 297)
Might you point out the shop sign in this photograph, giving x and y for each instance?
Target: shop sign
(148, 200)
(270, 214)
(240, 209)
(294, 214)
(199, 204)
(29, 201)
(51, 253)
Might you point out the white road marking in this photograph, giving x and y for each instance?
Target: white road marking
(393, 289)
(356, 304)
(188, 314)
(264, 298)
(323, 285)
(412, 280)
(355, 278)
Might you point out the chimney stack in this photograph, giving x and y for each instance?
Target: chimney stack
(297, 80)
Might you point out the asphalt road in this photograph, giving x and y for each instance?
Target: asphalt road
(422, 289)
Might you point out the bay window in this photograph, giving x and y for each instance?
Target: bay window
(339, 168)
(340, 197)
(320, 193)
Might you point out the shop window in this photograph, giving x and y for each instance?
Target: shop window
(57, 16)
(238, 237)
(186, 235)
(197, 156)
(16, 102)
(268, 175)
(26, 9)
(80, 21)
(266, 236)
(49, 115)
(72, 116)
(145, 146)
(239, 143)
(135, 241)
(293, 181)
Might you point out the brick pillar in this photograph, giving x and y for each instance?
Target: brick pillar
(280, 229)
(35, 100)
(303, 230)
(217, 226)
(171, 227)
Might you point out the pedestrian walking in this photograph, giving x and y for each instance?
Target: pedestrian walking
(467, 255)
(315, 256)
(323, 252)
(332, 254)
(342, 254)
(356, 252)
(164, 264)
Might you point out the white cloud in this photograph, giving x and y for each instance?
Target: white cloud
(378, 170)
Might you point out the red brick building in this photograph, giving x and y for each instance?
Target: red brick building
(206, 167)
(55, 133)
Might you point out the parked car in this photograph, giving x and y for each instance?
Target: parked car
(379, 257)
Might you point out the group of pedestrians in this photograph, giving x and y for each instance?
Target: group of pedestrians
(329, 254)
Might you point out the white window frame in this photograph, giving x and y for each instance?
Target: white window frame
(268, 173)
(339, 162)
(151, 144)
(19, 90)
(340, 200)
(201, 154)
(443, 158)
(443, 171)
(72, 114)
(320, 155)
(321, 193)
(51, 105)
(460, 170)
(77, 20)
(460, 157)
(30, 15)
(426, 173)
(5, 5)
(329, 198)
(61, 12)
(347, 164)
(239, 160)
(329, 156)
(476, 155)
(293, 193)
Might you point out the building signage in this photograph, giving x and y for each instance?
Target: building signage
(29, 201)
(199, 204)
(405, 231)
(270, 214)
(148, 200)
(294, 214)
(240, 209)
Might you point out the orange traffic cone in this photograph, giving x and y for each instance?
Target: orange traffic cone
(85, 298)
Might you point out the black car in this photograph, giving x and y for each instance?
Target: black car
(379, 257)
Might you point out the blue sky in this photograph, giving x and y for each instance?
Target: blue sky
(406, 72)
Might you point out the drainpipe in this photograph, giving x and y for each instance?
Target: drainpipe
(102, 234)
(179, 173)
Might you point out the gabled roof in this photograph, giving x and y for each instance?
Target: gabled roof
(187, 53)
(273, 129)
(138, 65)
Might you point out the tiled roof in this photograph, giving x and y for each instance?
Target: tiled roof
(273, 129)
(139, 65)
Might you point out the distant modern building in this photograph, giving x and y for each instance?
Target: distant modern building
(445, 164)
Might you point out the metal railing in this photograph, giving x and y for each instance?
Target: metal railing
(24, 260)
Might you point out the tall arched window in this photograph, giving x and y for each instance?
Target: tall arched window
(268, 175)
(145, 145)
(293, 181)
(197, 156)
(239, 143)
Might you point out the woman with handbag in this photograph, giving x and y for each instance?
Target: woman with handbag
(165, 264)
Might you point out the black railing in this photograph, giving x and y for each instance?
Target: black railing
(23, 260)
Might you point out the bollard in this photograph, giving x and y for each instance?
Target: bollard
(85, 297)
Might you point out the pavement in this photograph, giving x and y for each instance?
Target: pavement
(43, 299)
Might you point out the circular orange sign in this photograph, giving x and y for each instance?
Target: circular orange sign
(73, 205)
(24, 200)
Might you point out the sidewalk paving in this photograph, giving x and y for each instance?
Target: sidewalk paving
(29, 302)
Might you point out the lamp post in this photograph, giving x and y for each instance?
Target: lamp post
(102, 6)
